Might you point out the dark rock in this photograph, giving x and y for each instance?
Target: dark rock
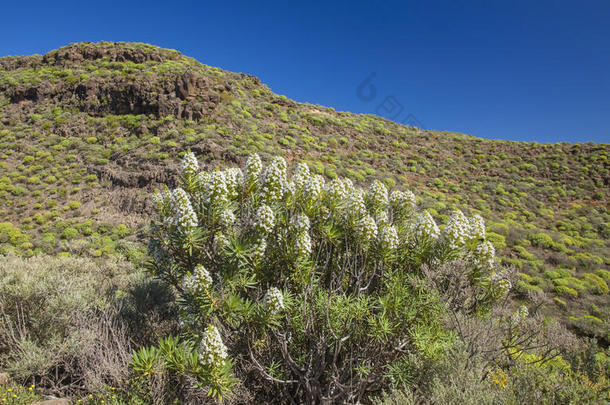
(186, 94)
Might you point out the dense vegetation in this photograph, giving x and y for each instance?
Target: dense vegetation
(314, 284)
(89, 130)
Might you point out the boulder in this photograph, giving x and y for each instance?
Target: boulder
(4, 379)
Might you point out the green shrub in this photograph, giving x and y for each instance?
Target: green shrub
(18, 190)
(268, 261)
(552, 274)
(587, 259)
(12, 235)
(560, 303)
(34, 180)
(605, 274)
(566, 291)
(74, 205)
(69, 233)
(512, 262)
(525, 287)
(121, 231)
(330, 172)
(526, 277)
(597, 284)
(499, 241)
(541, 240)
(524, 254)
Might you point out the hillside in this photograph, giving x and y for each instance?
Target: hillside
(87, 131)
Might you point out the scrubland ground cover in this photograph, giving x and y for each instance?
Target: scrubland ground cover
(272, 285)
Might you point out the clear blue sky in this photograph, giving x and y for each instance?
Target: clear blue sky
(519, 70)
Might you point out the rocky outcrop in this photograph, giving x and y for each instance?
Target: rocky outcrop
(183, 89)
(80, 52)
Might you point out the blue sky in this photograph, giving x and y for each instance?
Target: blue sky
(518, 70)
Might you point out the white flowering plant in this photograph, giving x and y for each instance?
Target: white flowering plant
(312, 286)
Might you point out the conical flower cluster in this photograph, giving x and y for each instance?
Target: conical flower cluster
(216, 188)
(227, 218)
(378, 196)
(457, 231)
(388, 237)
(401, 202)
(184, 217)
(477, 227)
(254, 168)
(160, 199)
(312, 189)
(265, 219)
(220, 243)
(234, 178)
(274, 180)
(290, 190)
(300, 176)
(425, 226)
(303, 244)
(198, 281)
(355, 204)
(337, 190)
(212, 351)
(485, 255)
(258, 250)
(201, 180)
(301, 223)
(382, 219)
(274, 300)
(162, 202)
(189, 166)
(366, 229)
(500, 283)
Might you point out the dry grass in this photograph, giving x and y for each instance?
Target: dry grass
(60, 324)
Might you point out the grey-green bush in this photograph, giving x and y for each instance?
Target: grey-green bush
(58, 322)
(314, 288)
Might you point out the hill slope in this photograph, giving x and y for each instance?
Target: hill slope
(88, 130)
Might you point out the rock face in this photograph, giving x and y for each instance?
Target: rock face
(113, 78)
(81, 52)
